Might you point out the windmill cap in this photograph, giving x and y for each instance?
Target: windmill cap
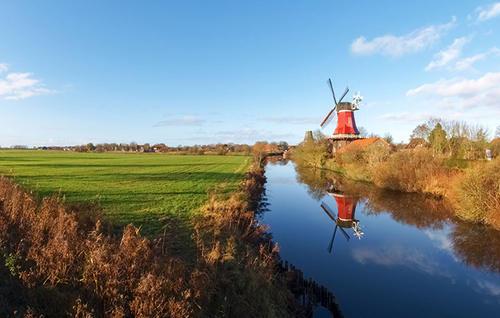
(345, 106)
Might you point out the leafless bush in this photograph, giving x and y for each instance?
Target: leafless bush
(478, 193)
(413, 171)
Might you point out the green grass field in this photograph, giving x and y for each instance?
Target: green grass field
(130, 187)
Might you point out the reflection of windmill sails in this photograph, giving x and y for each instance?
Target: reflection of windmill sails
(346, 207)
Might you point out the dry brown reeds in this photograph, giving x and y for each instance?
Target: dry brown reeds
(239, 260)
(95, 273)
(477, 193)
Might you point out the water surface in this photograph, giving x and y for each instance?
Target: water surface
(413, 258)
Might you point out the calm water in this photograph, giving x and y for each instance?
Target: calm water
(413, 260)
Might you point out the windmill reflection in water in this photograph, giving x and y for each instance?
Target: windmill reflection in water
(345, 219)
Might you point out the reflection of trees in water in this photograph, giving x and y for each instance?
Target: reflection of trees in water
(315, 179)
(409, 208)
(477, 245)
(413, 209)
(277, 160)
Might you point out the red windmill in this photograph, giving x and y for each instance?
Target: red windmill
(346, 125)
(346, 208)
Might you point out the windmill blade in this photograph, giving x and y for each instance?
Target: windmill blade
(330, 246)
(333, 92)
(328, 211)
(345, 93)
(328, 117)
(345, 233)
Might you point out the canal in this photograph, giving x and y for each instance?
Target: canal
(381, 253)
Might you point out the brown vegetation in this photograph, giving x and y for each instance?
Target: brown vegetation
(413, 171)
(56, 263)
(477, 193)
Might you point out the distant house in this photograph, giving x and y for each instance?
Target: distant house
(365, 144)
(417, 143)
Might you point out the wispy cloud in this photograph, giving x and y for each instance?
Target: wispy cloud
(448, 55)
(181, 121)
(391, 256)
(488, 12)
(467, 63)
(392, 45)
(291, 120)
(16, 86)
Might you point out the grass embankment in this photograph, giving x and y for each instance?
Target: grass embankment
(129, 187)
(59, 261)
(474, 190)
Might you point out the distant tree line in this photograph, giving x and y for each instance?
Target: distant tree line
(211, 149)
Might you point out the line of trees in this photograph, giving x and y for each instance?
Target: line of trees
(456, 139)
(214, 149)
(219, 149)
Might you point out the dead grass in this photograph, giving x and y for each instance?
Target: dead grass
(477, 193)
(244, 279)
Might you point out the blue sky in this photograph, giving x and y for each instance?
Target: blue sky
(195, 72)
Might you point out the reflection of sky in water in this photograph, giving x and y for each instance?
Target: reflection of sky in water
(396, 269)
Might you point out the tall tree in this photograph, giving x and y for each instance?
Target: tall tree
(421, 131)
(437, 139)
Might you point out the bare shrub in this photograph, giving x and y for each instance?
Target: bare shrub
(413, 171)
(478, 193)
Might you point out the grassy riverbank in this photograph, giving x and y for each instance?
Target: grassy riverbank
(59, 261)
(473, 190)
(129, 187)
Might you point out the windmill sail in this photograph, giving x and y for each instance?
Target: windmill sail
(328, 117)
(333, 92)
(328, 211)
(345, 93)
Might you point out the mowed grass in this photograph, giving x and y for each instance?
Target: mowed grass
(130, 187)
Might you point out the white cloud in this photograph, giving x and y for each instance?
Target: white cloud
(181, 121)
(448, 55)
(467, 63)
(469, 99)
(462, 98)
(484, 90)
(3, 68)
(15, 86)
(488, 12)
(392, 45)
